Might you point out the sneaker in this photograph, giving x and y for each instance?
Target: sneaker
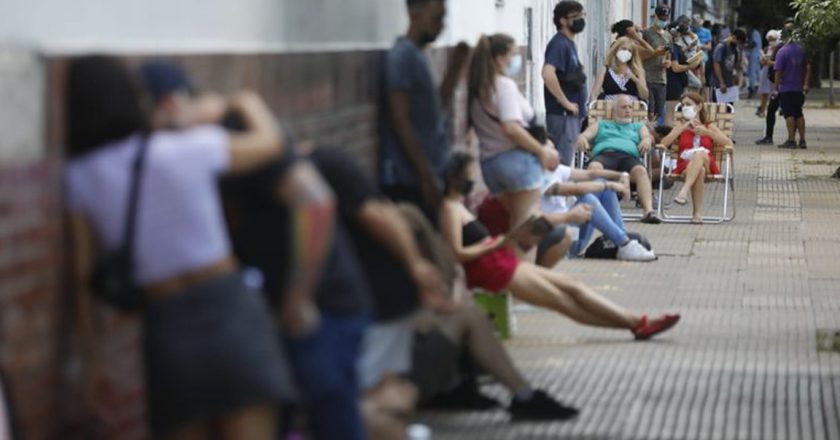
(802, 144)
(462, 397)
(634, 251)
(764, 141)
(648, 329)
(540, 406)
(788, 144)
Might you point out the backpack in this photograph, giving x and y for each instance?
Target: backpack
(604, 248)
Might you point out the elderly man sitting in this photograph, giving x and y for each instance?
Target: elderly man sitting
(618, 145)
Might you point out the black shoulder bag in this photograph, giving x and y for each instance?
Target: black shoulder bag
(536, 130)
(112, 279)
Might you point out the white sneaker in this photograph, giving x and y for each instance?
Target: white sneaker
(634, 251)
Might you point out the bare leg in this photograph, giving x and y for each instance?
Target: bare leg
(643, 187)
(698, 162)
(539, 287)
(698, 189)
(557, 252)
(520, 205)
(256, 422)
(763, 107)
(791, 128)
(469, 325)
(800, 122)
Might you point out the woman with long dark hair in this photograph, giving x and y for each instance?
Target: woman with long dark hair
(512, 159)
(211, 357)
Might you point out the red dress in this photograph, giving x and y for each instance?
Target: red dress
(686, 142)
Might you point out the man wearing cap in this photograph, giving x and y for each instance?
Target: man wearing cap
(176, 105)
(655, 67)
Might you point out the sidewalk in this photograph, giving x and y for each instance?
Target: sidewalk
(743, 363)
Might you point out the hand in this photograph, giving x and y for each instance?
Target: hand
(580, 214)
(631, 76)
(549, 157)
(666, 64)
(571, 107)
(723, 89)
(583, 144)
(644, 146)
(621, 188)
(806, 88)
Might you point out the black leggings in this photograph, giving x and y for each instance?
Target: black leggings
(772, 108)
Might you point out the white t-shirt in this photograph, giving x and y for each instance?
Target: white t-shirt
(507, 105)
(180, 225)
(556, 204)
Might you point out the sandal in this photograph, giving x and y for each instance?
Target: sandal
(651, 218)
(697, 221)
(679, 200)
(646, 330)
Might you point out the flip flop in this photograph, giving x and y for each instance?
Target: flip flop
(680, 201)
(695, 221)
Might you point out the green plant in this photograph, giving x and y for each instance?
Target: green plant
(819, 21)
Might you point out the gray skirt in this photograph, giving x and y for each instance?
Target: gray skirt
(210, 351)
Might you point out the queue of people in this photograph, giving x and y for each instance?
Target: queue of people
(363, 308)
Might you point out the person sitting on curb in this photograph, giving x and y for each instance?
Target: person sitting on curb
(618, 145)
(597, 191)
(491, 263)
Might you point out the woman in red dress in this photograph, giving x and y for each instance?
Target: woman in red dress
(491, 263)
(697, 138)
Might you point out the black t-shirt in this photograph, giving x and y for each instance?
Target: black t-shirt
(261, 229)
(394, 292)
(677, 82)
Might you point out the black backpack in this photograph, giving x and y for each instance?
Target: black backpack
(604, 248)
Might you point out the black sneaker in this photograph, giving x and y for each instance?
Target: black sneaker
(788, 144)
(802, 144)
(764, 141)
(464, 398)
(540, 406)
(651, 219)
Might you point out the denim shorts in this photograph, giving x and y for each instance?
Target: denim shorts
(511, 171)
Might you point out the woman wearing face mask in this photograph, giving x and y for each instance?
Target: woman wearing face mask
(765, 88)
(490, 263)
(697, 138)
(622, 73)
(512, 159)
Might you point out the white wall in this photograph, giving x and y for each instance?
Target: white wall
(201, 25)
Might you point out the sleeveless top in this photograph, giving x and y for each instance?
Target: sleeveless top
(613, 86)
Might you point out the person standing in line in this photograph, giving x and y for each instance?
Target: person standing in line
(565, 82)
(727, 59)
(655, 68)
(414, 145)
(753, 54)
(767, 77)
(792, 83)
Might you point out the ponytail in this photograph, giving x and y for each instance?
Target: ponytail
(482, 74)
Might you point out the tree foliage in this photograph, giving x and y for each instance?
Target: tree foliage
(818, 21)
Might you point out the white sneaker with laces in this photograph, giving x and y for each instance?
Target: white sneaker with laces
(634, 251)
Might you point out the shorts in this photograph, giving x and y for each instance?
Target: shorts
(618, 161)
(792, 103)
(209, 351)
(386, 349)
(492, 271)
(511, 171)
(553, 238)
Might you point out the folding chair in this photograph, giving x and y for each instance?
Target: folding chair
(723, 116)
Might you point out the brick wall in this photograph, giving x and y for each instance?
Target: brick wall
(329, 97)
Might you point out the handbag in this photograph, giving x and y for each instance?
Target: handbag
(112, 279)
(535, 129)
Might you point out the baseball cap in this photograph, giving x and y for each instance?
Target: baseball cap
(662, 10)
(163, 78)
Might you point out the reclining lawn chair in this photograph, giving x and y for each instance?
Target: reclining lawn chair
(723, 116)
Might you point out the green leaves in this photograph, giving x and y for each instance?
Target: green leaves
(819, 21)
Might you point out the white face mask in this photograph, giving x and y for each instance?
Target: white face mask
(689, 112)
(774, 42)
(514, 66)
(624, 55)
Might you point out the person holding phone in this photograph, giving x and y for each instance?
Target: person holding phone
(655, 68)
(491, 263)
(696, 137)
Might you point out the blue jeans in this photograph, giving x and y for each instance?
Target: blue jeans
(606, 217)
(325, 367)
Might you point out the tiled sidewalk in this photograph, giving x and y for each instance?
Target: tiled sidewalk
(743, 363)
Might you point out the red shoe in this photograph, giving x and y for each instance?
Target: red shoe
(647, 330)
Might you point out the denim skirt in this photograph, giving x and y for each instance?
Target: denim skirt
(511, 171)
(209, 351)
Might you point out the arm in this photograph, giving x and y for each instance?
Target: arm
(717, 135)
(597, 84)
(671, 137)
(587, 136)
(641, 85)
(261, 142)
(581, 188)
(719, 76)
(647, 140)
(777, 81)
(452, 232)
(806, 86)
(400, 104)
(549, 74)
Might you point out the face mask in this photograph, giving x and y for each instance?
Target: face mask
(467, 187)
(514, 66)
(662, 24)
(578, 25)
(689, 112)
(624, 55)
(773, 42)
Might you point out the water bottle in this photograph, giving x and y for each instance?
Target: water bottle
(418, 432)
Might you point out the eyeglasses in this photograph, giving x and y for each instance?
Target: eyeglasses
(576, 16)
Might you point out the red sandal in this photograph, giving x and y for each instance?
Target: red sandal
(646, 330)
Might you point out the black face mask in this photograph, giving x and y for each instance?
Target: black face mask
(578, 25)
(466, 187)
(427, 39)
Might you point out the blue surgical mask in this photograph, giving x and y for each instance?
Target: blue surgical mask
(514, 66)
(662, 24)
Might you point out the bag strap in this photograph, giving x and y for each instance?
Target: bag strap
(134, 196)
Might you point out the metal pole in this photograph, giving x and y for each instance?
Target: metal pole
(831, 78)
